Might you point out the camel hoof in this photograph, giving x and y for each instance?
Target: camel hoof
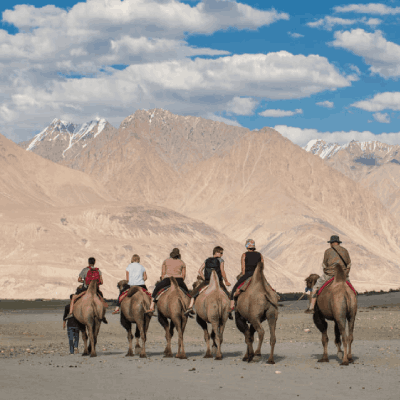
(167, 355)
(270, 362)
(345, 363)
(350, 360)
(143, 356)
(245, 358)
(219, 358)
(93, 355)
(85, 354)
(129, 354)
(250, 359)
(323, 360)
(182, 357)
(208, 356)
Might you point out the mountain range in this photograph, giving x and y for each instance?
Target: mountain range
(161, 181)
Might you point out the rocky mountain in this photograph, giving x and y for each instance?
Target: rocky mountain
(258, 185)
(373, 164)
(62, 140)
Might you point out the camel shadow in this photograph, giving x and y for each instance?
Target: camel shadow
(332, 357)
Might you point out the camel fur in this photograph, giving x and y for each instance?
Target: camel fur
(212, 307)
(337, 303)
(133, 311)
(257, 304)
(172, 306)
(89, 311)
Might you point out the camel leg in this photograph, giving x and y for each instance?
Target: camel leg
(249, 337)
(165, 324)
(130, 337)
(137, 337)
(143, 338)
(244, 328)
(216, 330)
(350, 338)
(203, 324)
(180, 327)
(272, 317)
(322, 325)
(96, 331)
(260, 330)
(214, 346)
(342, 329)
(90, 328)
(85, 342)
(338, 341)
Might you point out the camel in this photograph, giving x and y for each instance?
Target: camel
(258, 303)
(338, 303)
(89, 311)
(133, 308)
(212, 306)
(172, 305)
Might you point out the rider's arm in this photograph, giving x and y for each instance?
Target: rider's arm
(243, 263)
(127, 275)
(80, 279)
(183, 270)
(201, 270)
(101, 280)
(224, 274)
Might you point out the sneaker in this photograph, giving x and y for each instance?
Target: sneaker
(308, 311)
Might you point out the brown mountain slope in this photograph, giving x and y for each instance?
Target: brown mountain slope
(42, 252)
(32, 181)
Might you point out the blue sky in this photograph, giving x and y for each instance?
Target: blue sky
(310, 69)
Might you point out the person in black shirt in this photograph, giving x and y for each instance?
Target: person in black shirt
(72, 330)
(250, 259)
(215, 263)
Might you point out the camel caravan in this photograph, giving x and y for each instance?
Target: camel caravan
(252, 300)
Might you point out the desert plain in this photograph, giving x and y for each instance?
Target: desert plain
(35, 361)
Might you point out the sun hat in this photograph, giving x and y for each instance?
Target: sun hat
(334, 238)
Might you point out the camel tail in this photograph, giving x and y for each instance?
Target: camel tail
(340, 275)
(174, 284)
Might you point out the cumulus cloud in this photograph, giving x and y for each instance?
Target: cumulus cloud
(302, 136)
(241, 106)
(326, 104)
(371, 8)
(280, 113)
(382, 56)
(328, 22)
(382, 117)
(380, 102)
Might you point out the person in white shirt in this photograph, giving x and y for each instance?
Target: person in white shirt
(135, 275)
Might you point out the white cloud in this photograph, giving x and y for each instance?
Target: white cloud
(381, 55)
(382, 117)
(326, 104)
(302, 136)
(355, 69)
(295, 35)
(371, 8)
(328, 23)
(280, 113)
(380, 102)
(241, 106)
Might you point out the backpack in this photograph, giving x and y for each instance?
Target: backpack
(212, 264)
(92, 275)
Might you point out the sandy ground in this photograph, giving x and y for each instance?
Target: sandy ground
(35, 361)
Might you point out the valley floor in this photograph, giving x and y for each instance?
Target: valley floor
(35, 362)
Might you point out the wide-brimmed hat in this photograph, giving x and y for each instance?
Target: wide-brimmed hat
(334, 238)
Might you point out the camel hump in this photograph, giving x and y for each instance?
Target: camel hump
(340, 275)
(92, 289)
(214, 283)
(174, 284)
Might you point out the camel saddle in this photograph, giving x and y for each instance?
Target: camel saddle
(125, 293)
(242, 287)
(165, 289)
(328, 282)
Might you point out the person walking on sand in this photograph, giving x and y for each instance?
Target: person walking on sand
(135, 275)
(249, 262)
(72, 330)
(215, 263)
(336, 254)
(172, 266)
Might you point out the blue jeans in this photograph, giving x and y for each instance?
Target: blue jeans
(73, 338)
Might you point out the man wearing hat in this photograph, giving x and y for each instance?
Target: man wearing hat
(336, 254)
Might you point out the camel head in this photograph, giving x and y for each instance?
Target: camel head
(121, 284)
(197, 282)
(311, 280)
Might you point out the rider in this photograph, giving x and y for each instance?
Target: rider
(215, 263)
(135, 275)
(336, 254)
(85, 277)
(249, 261)
(172, 266)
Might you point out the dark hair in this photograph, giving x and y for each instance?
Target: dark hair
(92, 261)
(71, 296)
(218, 249)
(175, 254)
